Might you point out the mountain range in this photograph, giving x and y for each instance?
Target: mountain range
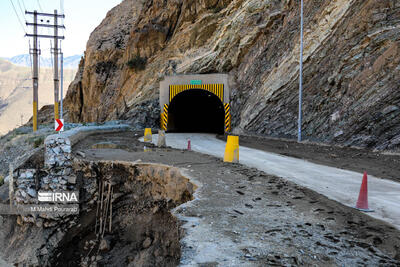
(71, 62)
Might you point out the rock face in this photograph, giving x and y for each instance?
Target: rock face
(351, 64)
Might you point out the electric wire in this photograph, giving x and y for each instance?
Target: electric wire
(20, 8)
(62, 19)
(51, 49)
(16, 13)
(30, 57)
(23, 15)
(23, 4)
(40, 7)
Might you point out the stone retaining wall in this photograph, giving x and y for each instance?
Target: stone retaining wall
(57, 162)
(58, 173)
(26, 186)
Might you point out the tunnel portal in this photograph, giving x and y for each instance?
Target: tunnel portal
(195, 103)
(196, 110)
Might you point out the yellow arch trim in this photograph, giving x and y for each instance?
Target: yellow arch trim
(216, 89)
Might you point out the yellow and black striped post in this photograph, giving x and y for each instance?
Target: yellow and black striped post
(227, 117)
(164, 118)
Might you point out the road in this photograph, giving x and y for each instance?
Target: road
(337, 184)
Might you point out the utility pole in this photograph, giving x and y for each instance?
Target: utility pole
(56, 80)
(300, 76)
(35, 77)
(36, 52)
(62, 84)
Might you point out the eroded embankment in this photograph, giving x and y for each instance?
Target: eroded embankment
(143, 231)
(138, 228)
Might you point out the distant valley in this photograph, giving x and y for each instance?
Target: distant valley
(16, 92)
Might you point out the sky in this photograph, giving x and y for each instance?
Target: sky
(81, 18)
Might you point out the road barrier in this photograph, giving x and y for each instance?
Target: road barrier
(148, 137)
(232, 149)
(362, 202)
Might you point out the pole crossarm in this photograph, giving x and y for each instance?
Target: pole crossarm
(45, 36)
(44, 14)
(45, 25)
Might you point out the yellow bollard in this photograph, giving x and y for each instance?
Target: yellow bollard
(147, 135)
(232, 149)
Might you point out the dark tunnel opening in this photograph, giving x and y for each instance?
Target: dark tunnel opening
(196, 110)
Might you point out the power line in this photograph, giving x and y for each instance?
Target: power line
(20, 8)
(62, 6)
(23, 4)
(62, 12)
(51, 48)
(40, 7)
(16, 13)
(30, 56)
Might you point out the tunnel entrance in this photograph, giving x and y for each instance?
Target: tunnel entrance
(196, 110)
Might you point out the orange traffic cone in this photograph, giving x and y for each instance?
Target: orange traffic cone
(189, 147)
(362, 202)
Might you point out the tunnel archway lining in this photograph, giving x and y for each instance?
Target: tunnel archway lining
(196, 110)
(216, 83)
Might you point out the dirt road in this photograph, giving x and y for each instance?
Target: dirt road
(244, 217)
(381, 164)
(337, 184)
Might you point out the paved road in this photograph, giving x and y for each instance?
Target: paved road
(4, 264)
(337, 184)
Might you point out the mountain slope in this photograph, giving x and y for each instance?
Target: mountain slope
(16, 93)
(351, 64)
(71, 62)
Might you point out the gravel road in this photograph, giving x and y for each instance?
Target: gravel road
(244, 217)
(337, 184)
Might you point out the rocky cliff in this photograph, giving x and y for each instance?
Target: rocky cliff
(351, 64)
